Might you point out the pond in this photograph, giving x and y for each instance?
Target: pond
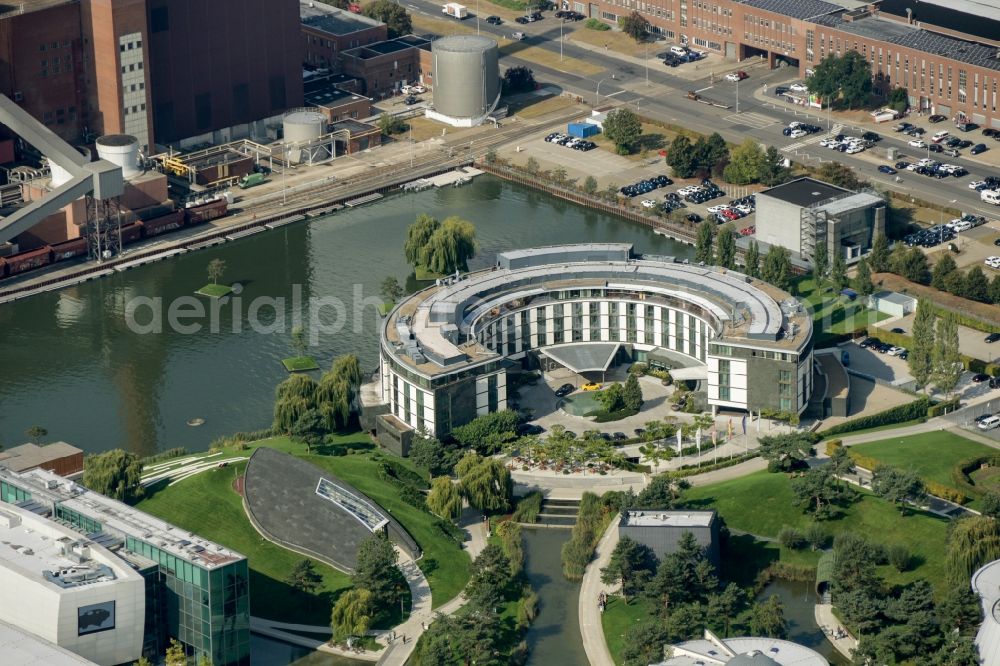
(799, 600)
(72, 365)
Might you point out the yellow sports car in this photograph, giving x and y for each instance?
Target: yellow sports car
(591, 386)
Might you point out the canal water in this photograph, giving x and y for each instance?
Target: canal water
(554, 636)
(799, 601)
(70, 363)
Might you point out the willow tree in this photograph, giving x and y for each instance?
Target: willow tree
(352, 615)
(417, 235)
(333, 401)
(450, 247)
(485, 482)
(293, 398)
(444, 499)
(973, 542)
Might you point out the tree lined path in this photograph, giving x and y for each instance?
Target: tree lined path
(591, 587)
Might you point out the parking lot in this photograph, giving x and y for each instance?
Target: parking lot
(697, 198)
(880, 366)
(970, 341)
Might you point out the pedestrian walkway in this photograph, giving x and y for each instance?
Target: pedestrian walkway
(591, 590)
(834, 631)
(403, 639)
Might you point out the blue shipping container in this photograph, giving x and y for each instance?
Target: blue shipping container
(581, 130)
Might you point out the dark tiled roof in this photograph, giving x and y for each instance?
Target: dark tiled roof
(804, 191)
(917, 39)
(798, 9)
(944, 16)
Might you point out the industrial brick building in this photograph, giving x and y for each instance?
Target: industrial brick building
(941, 51)
(328, 31)
(384, 67)
(177, 72)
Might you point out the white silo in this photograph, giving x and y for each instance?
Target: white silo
(123, 150)
(466, 79)
(302, 130)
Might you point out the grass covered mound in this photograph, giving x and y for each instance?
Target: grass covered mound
(300, 363)
(208, 505)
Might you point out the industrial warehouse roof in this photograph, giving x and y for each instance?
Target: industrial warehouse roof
(804, 192)
(972, 17)
(918, 39)
(20, 648)
(583, 356)
(332, 20)
(799, 9)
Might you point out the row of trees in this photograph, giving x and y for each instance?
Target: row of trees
(898, 625)
(688, 598)
(934, 355)
(377, 589)
(707, 156)
(440, 247)
(719, 249)
(306, 410)
(846, 79)
(749, 163)
(477, 635)
(973, 284)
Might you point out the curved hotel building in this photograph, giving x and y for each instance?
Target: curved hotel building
(446, 351)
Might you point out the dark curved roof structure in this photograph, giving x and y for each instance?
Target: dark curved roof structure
(306, 509)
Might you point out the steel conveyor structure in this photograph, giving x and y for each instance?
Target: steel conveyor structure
(101, 179)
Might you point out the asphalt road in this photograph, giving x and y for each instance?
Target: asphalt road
(664, 99)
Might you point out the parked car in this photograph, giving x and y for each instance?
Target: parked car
(410, 100)
(897, 331)
(522, 20)
(917, 143)
(494, 20)
(799, 87)
(736, 76)
(978, 148)
(564, 390)
(980, 377)
(989, 423)
(591, 386)
(992, 337)
(619, 436)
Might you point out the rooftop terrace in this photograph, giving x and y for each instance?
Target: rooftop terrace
(119, 518)
(443, 321)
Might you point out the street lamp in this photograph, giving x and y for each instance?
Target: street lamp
(737, 93)
(646, 59)
(598, 100)
(561, 21)
(477, 17)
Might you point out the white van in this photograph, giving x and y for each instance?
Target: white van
(679, 50)
(940, 136)
(989, 423)
(990, 196)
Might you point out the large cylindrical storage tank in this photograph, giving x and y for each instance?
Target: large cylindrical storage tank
(120, 149)
(466, 76)
(302, 127)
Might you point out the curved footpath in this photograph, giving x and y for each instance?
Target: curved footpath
(591, 629)
(403, 639)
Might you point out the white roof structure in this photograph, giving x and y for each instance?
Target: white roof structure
(44, 550)
(669, 518)
(744, 651)
(986, 582)
(20, 648)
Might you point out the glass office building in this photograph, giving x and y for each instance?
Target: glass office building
(196, 591)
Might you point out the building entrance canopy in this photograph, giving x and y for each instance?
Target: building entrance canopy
(583, 357)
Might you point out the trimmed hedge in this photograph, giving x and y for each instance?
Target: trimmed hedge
(943, 407)
(961, 471)
(691, 470)
(899, 414)
(603, 416)
(945, 492)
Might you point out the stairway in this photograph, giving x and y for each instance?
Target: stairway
(558, 513)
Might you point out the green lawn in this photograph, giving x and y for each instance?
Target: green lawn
(386, 308)
(426, 275)
(215, 290)
(444, 563)
(618, 617)
(833, 315)
(207, 505)
(300, 363)
(931, 455)
(762, 503)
